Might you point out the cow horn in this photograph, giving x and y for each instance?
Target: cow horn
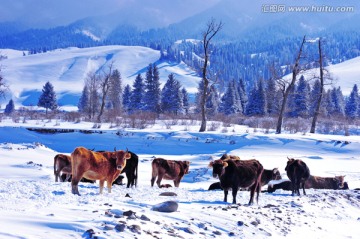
(127, 150)
(115, 149)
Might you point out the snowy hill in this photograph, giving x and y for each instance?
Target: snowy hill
(344, 74)
(32, 205)
(67, 69)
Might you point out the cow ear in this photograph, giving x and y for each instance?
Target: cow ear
(211, 164)
(127, 155)
(225, 164)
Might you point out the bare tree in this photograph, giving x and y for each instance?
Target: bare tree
(212, 28)
(287, 87)
(322, 77)
(93, 102)
(104, 84)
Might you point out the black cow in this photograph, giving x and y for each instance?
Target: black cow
(298, 172)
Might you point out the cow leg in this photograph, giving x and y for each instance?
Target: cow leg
(130, 179)
(225, 195)
(252, 193)
(57, 176)
(293, 188)
(101, 184)
(177, 182)
(303, 187)
(109, 184)
(152, 181)
(234, 193)
(67, 177)
(74, 186)
(158, 181)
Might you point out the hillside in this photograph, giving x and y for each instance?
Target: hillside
(67, 69)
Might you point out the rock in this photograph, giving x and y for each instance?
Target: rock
(240, 223)
(128, 213)
(108, 227)
(120, 227)
(88, 234)
(168, 206)
(168, 194)
(217, 233)
(127, 196)
(144, 218)
(135, 229)
(189, 230)
(231, 234)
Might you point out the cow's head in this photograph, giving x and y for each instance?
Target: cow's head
(276, 174)
(340, 180)
(186, 167)
(121, 157)
(289, 162)
(218, 167)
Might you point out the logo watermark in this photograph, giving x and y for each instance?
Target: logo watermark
(282, 8)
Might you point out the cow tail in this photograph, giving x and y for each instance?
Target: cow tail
(55, 164)
(136, 174)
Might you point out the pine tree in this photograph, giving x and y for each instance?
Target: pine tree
(242, 94)
(230, 102)
(84, 104)
(352, 104)
(314, 95)
(185, 100)
(126, 99)
(301, 99)
(212, 102)
(272, 101)
(115, 91)
(337, 102)
(152, 90)
(137, 95)
(257, 100)
(48, 97)
(171, 98)
(9, 108)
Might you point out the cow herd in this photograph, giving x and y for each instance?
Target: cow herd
(233, 173)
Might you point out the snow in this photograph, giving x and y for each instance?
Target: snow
(67, 69)
(32, 205)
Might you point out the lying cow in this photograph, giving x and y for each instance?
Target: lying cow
(285, 185)
(102, 166)
(168, 169)
(62, 164)
(317, 182)
(298, 172)
(235, 174)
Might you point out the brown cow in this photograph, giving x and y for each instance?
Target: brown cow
(102, 166)
(298, 172)
(316, 182)
(235, 174)
(168, 169)
(62, 164)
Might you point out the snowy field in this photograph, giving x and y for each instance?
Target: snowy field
(33, 205)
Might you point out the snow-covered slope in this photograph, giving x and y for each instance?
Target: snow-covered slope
(32, 205)
(67, 69)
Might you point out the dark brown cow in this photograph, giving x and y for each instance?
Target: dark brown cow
(235, 174)
(62, 164)
(168, 169)
(325, 182)
(131, 170)
(270, 174)
(266, 177)
(104, 166)
(298, 172)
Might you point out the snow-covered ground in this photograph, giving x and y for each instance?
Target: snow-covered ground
(67, 69)
(33, 205)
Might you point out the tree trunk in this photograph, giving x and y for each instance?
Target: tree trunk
(295, 73)
(318, 103)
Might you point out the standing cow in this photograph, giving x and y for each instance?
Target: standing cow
(298, 172)
(168, 169)
(102, 166)
(235, 174)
